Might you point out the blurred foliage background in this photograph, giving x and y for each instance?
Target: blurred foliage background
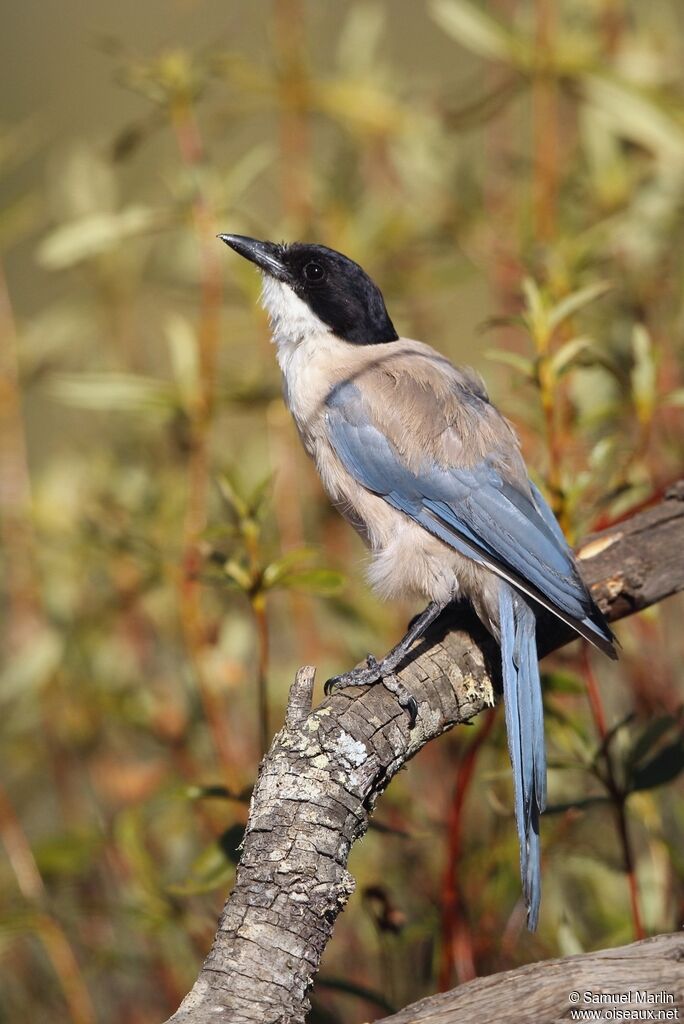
(512, 174)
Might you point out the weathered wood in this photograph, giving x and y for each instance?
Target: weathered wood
(326, 768)
(645, 976)
(640, 561)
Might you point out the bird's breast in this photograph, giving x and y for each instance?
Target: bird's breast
(407, 560)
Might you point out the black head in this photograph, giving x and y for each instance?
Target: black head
(336, 289)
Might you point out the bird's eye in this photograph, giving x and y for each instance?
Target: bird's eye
(314, 272)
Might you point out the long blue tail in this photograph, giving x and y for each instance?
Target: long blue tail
(525, 729)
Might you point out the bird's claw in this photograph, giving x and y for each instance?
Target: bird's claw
(412, 711)
(372, 673)
(355, 677)
(411, 708)
(405, 699)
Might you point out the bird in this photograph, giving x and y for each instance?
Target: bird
(415, 456)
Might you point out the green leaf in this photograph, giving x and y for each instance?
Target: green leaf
(643, 374)
(637, 116)
(236, 503)
(69, 854)
(184, 352)
(650, 736)
(570, 731)
(572, 303)
(474, 29)
(520, 363)
(210, 871)
(602, 453)
(352, 989)
(562, 682)
(129, 832)
(577, 805)
(492, 322)
(259, 498)
(534, 301)
(275, 572)
(675, 397)
(536, 315)
(609, 738)
(94, 235)
(246, 169)
(360, 38)
(239, 574)
(29, 670)
(216, 792)
(121, 392)
(387, 830)
(230, 842)
(565, 356)
(315, 581)
(664, 767)
(360, 104)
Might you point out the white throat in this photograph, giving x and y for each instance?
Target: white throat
(292, 322)
(306, 349)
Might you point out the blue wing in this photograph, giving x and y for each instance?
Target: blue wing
(476, 511)
(484, 516)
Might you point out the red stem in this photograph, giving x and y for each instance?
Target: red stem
(295, 143)
(457, 940)
(545, 120)
(617, 795)
(195, 629)
(261, 620)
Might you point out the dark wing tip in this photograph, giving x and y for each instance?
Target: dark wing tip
(596, 629)
(613, 648)
(598, 632)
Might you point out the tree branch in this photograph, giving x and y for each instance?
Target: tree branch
(541, 993)
(326, 768)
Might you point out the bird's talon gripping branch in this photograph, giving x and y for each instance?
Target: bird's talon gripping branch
(374, 674)
(329, 685)
(355, 677)
(405, 699)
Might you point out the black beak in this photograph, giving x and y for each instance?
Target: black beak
(267, 255)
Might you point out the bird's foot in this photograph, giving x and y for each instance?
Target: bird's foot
(361, 676)
(373, 673)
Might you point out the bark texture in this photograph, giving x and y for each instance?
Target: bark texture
(326, 768)
(545, 993)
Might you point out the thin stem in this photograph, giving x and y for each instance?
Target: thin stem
(617, 795)
(550, 402)
(21, 584)
(503, 262)
(296, 200)
(612, 24)
(457, 940)
(594, 695)
(545, 183)
(295, 142)
(257, 600)
(53, 937)
(195, 629)
(261, 621)
(287, 509)
(545, 119)
(630, 869)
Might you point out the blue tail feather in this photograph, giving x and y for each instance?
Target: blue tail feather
(525, 730)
